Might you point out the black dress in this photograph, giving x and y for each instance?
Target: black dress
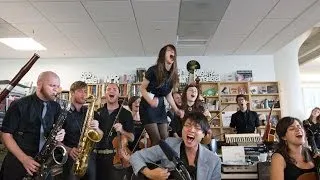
(149, 114)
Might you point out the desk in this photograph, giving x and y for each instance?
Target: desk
(239, 176)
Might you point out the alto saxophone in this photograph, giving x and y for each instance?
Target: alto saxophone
(51, 153)
(89, 137)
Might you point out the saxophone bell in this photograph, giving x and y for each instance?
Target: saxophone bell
(59, 155)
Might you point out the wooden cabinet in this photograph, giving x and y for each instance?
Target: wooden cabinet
(221, 102)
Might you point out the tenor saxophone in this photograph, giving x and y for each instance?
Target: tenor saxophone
(89, 137)
(51, 153)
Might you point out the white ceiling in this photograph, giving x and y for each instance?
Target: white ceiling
(112, 28)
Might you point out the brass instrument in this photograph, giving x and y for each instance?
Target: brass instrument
(89, 137)
(52, 154)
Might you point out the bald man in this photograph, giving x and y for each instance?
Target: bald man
(26, 124)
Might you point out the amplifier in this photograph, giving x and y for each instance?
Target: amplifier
(239, 168)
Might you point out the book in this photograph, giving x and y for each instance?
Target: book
(253, 89)
(272, 89)
(262, 90)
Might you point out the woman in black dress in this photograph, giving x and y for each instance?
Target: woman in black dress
(157, 84)
(292, 160)
(312, 126)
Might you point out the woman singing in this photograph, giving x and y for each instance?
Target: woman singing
(190, 103)
(292, 160)
(157, 84)
(312, 125)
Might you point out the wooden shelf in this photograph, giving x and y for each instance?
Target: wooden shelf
(211, 96)
(269, 94)
(232, 89)
(266, 110)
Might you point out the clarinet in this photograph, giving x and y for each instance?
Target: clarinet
(313, 145)
(51, 154)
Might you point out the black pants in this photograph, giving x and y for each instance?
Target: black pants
(106, 170)
(90, 174)
(12, 169)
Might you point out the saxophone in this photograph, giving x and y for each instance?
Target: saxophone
(52, 154)
(88, 139)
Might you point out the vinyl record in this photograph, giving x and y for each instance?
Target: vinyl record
(192, 65)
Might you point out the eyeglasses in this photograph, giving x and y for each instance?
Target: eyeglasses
(189, 126)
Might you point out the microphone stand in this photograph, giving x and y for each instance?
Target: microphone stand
(181, 169)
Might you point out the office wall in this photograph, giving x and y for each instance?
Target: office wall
(70, 70)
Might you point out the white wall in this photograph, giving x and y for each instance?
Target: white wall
(70, 70)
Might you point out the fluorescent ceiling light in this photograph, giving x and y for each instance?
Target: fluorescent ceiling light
(23, 44)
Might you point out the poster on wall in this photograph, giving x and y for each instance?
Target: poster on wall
(244, 75)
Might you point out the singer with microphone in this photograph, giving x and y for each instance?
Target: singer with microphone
(244, 120)
(187, 156)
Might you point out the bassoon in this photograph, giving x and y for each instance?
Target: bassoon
(18, 76)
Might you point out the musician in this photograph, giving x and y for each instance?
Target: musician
(292, 160)
(157, 84)
(107, 116)
(313, 124)
(190, 103)
(244, 120)
(26, 124)
(201, 163)
(133, 104)
(177, 100)
(73, 126)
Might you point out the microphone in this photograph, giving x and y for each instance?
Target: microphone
(173, 156)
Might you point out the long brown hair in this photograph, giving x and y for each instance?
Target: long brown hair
(283, 148)
(318, 117)
(161, 69)
(198, 105)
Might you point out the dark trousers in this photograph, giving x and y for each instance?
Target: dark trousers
(90, 174)
(106, 170)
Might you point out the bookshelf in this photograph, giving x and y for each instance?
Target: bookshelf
(126, 91)
(221, 102)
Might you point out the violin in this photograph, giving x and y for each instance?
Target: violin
(120, 143)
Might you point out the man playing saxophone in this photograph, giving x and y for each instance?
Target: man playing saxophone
(25, 126)
(73, 126)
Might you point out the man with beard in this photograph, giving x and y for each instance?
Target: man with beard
(244, 120)
(26, 124)
(201, 163)
(110, 126)
(73, 127)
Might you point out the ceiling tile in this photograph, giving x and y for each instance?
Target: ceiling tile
(190, 50)
(93, 46)
(79, 29)
(122, 37)
(7, 30)
(20, 12)
(201, 10)
(235, 27)
(293, 30)
(266, 30)
(101, 11)
(282, 11)
(224, 45)
(196, 29)
(59, 12)
(247, 9)
(40, 31)
(156, 10)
